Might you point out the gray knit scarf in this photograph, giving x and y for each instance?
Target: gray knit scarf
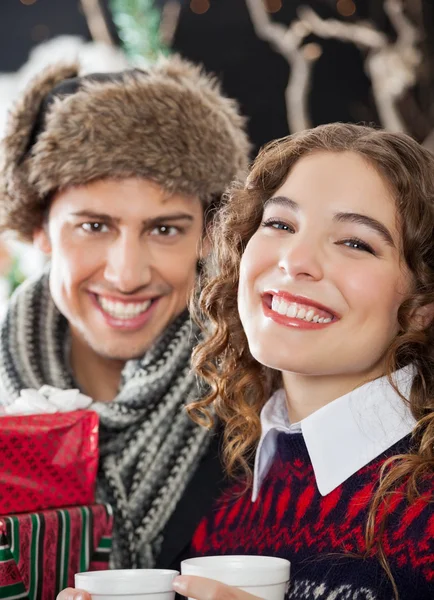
(149, 448)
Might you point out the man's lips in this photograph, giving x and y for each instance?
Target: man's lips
(124, 299)
(130, 314)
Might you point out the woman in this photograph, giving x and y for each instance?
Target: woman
(321, 363)
(321, 289)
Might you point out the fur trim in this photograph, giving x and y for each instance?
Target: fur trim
(16, 195)
(170, 124)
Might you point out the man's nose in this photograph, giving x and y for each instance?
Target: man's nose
(129, 264)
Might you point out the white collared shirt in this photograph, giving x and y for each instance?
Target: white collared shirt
(343, 436)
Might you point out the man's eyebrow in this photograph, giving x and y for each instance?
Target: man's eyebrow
(344, 217)
(89, 214)
(283, 201)
(168, 218)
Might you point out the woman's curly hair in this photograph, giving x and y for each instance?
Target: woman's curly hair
(239, 385)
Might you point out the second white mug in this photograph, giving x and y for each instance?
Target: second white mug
(264, 576)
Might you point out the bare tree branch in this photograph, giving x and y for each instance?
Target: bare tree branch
(429, 141)
(361, 35)
(96, 22)
(287, 42)
(408, 35)
(169, 21)
(391, 66)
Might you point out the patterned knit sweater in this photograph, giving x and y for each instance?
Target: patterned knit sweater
(323, 537)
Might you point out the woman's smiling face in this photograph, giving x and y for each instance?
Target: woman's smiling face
(322, 279)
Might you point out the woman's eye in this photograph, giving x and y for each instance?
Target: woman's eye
(94, 227)
(278, 224)
(165, 230)
(357, 244)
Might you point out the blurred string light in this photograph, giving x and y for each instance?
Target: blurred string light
(39, 33)
(273, 6)
(199, 7)
(27, 2)
(346, 8)
(312, 51)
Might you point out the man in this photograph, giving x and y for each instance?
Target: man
(112, 176)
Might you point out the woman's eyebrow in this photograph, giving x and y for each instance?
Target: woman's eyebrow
(341, 217)
(344, 217)
(283, 201)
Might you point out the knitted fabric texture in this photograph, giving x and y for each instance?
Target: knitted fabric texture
(149, 448)
(323, 537)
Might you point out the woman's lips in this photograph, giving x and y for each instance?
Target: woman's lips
(297, 311)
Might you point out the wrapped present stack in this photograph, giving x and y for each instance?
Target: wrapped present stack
(50, 526)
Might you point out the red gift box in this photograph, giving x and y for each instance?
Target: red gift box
(40, 552)
(48, 461)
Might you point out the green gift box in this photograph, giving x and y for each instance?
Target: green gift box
(41, 552)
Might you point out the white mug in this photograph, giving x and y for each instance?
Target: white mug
(264, 576)
(132, 584)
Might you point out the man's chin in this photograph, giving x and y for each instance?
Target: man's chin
(120, 354)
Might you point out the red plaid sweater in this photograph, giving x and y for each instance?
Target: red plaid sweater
(323, 537)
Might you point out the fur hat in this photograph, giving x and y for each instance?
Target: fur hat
(170, 124)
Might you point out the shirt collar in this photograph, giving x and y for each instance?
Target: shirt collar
(343, 436)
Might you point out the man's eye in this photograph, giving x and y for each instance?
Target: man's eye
(94, 227)
(165, 230)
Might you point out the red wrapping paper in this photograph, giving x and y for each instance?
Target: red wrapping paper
(41, 552)
(48, 461)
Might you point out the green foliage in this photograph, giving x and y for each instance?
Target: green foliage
(15, 276)
(138, 24)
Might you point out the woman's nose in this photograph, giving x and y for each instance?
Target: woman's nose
(302, 259)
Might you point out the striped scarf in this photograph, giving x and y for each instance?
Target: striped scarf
(149, 448)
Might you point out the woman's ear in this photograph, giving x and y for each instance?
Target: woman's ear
(41, 240)
(423, 316)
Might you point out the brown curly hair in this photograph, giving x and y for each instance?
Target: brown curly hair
(239, 385)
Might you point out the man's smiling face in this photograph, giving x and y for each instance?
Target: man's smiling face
(123, 261)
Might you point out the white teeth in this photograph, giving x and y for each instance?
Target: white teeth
(281, 309)
(292, 311)
(123, 310)
(310, 315)
(280, 306)
(301, 313)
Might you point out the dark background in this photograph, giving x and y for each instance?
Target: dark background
(224, 41)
